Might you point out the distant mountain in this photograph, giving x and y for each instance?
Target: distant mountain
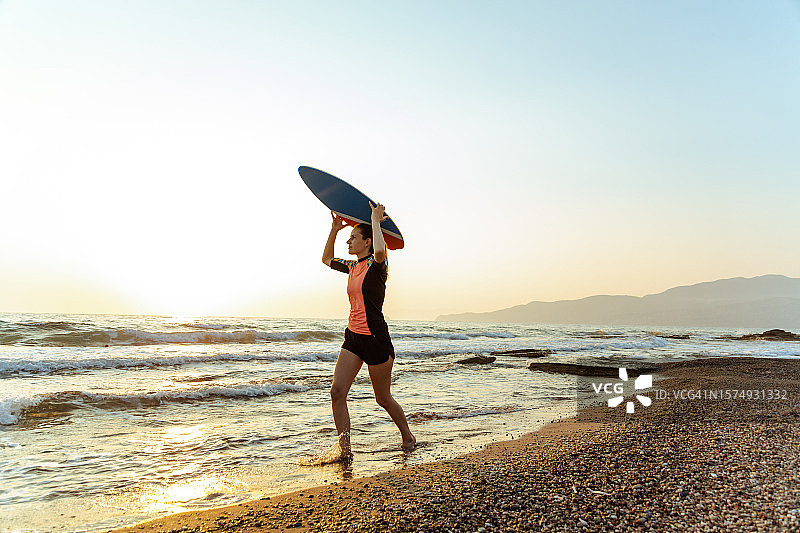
(771, 301)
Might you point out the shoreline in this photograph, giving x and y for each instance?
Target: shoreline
(703, 464)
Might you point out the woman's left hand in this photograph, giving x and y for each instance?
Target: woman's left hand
(377, 212)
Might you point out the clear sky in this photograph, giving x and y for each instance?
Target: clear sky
(527, 150)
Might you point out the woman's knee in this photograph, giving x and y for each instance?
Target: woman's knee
(384, 400)
(339, 392)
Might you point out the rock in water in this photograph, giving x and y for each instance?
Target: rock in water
(528, 352)
(477, 360)
(771, 335)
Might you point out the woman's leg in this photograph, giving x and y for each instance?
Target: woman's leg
(381, 378)
(347, 366)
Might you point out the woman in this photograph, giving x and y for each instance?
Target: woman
(366, 339)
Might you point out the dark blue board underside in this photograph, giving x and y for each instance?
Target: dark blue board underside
(348, 202)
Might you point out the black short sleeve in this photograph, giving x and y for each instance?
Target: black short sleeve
(342, 265)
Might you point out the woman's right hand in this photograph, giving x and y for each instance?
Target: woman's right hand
(337, 223)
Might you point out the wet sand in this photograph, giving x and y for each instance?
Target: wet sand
(695, 464)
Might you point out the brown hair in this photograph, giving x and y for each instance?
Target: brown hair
(366, 233)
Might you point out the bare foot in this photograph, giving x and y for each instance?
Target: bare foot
(337, 452)
(346, 453)
(409, 444)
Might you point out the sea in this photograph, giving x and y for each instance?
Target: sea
(107, 421)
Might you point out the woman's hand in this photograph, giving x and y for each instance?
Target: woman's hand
(337, 222)
(377, 213)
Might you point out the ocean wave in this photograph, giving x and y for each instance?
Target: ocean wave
(423, 416)
(47, 325)
(653, 342)
(431, 353)
(135, 337)
(8, 443)
(444, 367)
(602, 334)
(22, 332)
(13, 409)
(52, 366)
(204, 326)
(454, 336)
(48, 366)
(678, 336)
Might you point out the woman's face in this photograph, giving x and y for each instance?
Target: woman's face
(356, 244)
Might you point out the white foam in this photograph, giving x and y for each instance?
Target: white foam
(652, 342)
(207, 334)
(462, 413)
(7, 443)
(233, 391)
(204, 326)
(11, 408)
(133, 336)
(45, 366)
(453, 336)
(425, 354)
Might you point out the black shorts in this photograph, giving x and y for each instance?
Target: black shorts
(372, 349)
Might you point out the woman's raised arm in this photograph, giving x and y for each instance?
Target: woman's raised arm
(336, 224)
(378, 244)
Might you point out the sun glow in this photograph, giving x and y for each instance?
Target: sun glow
(187, 495)
(196, 489)
(184, 435)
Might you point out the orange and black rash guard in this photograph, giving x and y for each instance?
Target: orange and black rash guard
(366, 289)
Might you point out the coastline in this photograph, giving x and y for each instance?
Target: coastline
(700, 463)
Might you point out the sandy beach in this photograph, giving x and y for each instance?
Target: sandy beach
(685, 462)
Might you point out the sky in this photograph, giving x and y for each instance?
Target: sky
(527, 150)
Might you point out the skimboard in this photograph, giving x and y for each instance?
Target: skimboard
(348, 202)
